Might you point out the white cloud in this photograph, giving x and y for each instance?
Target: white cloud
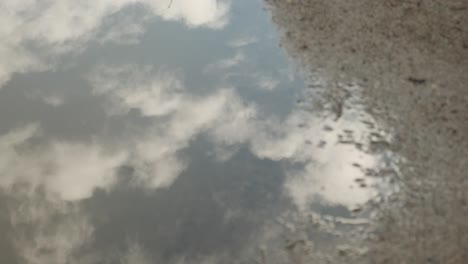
(332, 177)
(71, 171)
(52, 99)
(12, 168)
(156, 161)
(77, 169)
(131, 87)
(211, 13)
(33, 33)
(328, 170)
(180, 116)
(135, 254)
(242, 42)
(226, 63)
(124, 29)
(176, 118)
(268, 83)
(37, 235)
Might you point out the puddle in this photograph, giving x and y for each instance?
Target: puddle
(158, 131)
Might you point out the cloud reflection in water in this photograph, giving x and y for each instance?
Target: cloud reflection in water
(168, 130)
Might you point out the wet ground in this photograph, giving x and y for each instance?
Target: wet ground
(410, 59)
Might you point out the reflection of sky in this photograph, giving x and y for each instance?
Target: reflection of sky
(143, 126)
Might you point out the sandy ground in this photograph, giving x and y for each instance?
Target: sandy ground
(411, 60)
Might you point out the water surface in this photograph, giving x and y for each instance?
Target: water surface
(157, 132)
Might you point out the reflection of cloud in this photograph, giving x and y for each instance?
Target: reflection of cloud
(175, 118)
(53, 100)
(268, 83)
(129, 87)
(179, 116)
(328, 170)
(46, 230)
(77, 169)
(11, 163)
(33, 32)
(242, 42)
(226, 63)
(135, 254)
(72, 171)
(124, 29)
(157, 162)
(48, 98)
(332, 178)
(211, 13)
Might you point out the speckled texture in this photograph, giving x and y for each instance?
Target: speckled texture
(411, 60)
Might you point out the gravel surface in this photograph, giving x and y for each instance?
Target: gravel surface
(411, 60)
